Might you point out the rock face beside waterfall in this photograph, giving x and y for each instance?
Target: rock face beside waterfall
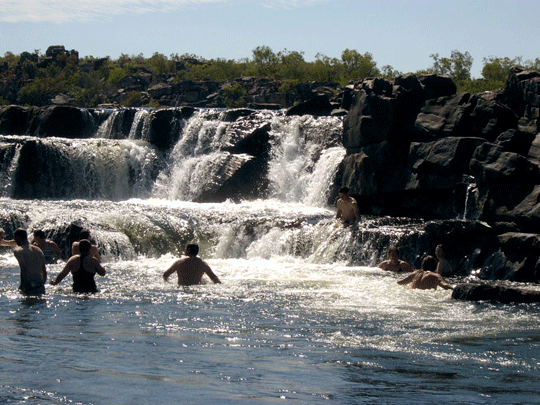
(417, 148)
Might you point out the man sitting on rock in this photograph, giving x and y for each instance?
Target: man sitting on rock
(347, 207)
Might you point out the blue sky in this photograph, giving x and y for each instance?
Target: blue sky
(400, 33)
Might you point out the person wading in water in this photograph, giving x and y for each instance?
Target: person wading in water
(83, 268)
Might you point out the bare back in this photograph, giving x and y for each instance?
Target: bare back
(32, 264)
(190, 271)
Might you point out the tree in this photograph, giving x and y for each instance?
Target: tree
(497, 69)
(325, 69)
(389, 72)
(357, 66)
(458, 66)
(234, 96)
(159, 64)
(292, 65)
(265, 61)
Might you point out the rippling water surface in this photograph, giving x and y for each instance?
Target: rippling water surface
(276, 331)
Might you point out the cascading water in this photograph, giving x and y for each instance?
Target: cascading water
(299, 317)
(305, 158)
(89, 168)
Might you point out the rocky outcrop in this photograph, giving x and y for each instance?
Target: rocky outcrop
(60, 121)
(496, 293)
(414, 143)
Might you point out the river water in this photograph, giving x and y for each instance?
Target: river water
(303, 315)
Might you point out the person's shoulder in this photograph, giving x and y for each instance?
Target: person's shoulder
(34, 248)
(73, 258)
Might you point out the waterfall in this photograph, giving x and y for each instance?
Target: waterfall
(82, 168)
(195, 160)
(198, 157)
(470, 211)
(11, 153)
(118, 123)
(305, 158)
(141, 124)
(303, 162)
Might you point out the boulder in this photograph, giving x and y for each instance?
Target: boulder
(317, 105)
(486, 292)
(436, 86)
(166, 125)
(491, 164)
(369, 120)
(62, 121)
(440, 164)
(408, 98)
(159, 90)
(514, 140)
(442, 117)
(522, 92)
(463, 115)
(15, 120)
(139, 82)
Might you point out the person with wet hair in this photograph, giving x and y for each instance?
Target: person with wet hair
(190, 269)
(85, 234)
(83, 268)
(426, 278)
(347, 207)
(32, 265)
(394, 262)
(444, 268)
(50, 249)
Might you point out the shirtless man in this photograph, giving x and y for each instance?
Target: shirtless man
(83, 268)
(394, 263)
(347, 207)
(32, 264)
(49, 248)
(190, 269)
(426, 278)
(85, 234)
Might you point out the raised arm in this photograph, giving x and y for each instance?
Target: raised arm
(407, 279)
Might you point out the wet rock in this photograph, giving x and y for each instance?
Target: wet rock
(486, 292)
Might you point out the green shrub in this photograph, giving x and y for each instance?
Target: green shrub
(133, 99)
(234, 96)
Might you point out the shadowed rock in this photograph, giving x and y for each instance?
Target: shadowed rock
(485, 292)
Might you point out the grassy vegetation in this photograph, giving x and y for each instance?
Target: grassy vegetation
(22, 81)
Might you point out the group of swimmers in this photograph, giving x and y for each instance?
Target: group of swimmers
(85, 260)
(85, 263)
(430, 274)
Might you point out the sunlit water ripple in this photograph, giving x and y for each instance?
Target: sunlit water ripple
(302, 333)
